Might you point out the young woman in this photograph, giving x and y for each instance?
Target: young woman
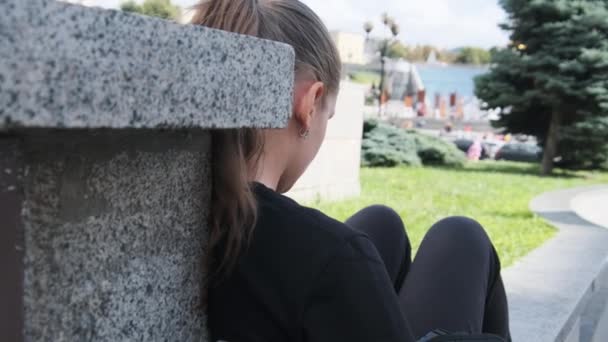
(284, 272)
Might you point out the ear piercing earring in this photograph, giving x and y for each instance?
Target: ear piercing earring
(304, 133)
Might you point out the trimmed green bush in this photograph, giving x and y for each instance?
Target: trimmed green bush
(386, 145)
(435, 151)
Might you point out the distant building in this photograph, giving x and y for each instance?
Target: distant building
(351, 47)
(402, 80)
(405, 90)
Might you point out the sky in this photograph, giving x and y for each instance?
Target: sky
(443, 23)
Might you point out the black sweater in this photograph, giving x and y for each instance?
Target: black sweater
(305, 277)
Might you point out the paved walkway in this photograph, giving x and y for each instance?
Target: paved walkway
(592, 205)
(550, 289)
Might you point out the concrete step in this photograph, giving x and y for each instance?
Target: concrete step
(594, 319)
(556, 293)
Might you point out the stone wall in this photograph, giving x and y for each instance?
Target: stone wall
(68, 66)
(113, 235)
(334, 174)
(105, 165)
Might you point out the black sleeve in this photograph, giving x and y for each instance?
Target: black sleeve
(353, 299)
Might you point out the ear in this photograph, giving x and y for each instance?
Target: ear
(308, 94)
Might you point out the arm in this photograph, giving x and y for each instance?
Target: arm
(354, 300)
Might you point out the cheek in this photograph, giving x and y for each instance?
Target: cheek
(322, 124)
(321, 132)
(312, 144)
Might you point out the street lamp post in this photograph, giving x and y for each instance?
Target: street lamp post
(394, 28)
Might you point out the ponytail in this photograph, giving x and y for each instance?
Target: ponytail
(239, 16)
(233, 206)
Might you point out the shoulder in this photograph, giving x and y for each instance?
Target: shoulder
(278, 212)
(300, 242)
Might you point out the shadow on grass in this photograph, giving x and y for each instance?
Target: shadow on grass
(513, 215)
(523, 169)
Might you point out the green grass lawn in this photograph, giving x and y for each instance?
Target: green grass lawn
(496, 194)
(366, 77)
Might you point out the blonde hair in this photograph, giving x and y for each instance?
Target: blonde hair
(237, 151)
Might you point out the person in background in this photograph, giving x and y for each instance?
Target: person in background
(475, 150)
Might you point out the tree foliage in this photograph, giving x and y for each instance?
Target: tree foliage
(552, 81)
(420, 53)
(131, 6)
(156, 8)
(398, 50)
(473, 55)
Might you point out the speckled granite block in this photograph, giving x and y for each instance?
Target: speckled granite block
(102, 120)
(114, 233)
(68, 66)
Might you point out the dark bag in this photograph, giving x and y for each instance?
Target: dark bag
(444, 336)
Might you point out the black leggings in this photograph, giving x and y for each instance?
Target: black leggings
(454, 282)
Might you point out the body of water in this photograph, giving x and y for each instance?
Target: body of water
(449, 79)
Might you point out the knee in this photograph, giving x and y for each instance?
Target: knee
(386, 221)
(380, 210)
(387, 215)
(461, 233)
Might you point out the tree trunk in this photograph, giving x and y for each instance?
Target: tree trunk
(551, 142)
